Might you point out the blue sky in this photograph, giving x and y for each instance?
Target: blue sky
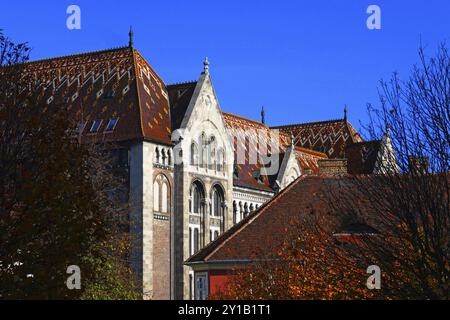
(302, 60)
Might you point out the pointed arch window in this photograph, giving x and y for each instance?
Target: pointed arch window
(161, 194)
(194, 154)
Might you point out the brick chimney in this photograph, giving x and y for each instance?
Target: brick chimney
(332, 167)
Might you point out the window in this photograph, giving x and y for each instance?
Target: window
(156, 196)
(191, 241)
(196, 240)
(217, 202)
(161, 194)
(201, 286)
(95, 126)
(216, 234)
(194, 154)
(220, 160)
(164, 198)
(196, 197)
(111, 124)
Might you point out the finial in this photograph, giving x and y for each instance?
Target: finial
(206, 66)
(388, 128)
(292, 139)
(345, 113)
(263, 116)
(130, 34)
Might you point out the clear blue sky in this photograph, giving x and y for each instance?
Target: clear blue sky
(302, 60)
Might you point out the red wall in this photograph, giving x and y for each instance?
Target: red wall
(217, 280)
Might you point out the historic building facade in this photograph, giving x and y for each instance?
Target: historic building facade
(192, 170)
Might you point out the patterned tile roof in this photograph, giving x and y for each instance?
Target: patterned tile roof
(330, 137)
(256, 134)
(116, 83)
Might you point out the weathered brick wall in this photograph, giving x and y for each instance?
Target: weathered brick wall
(161, 258)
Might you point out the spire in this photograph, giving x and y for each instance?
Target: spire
(345, 113)
(206, 66)
(130, 34)
(263, 115)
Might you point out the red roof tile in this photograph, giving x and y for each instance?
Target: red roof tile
(265, 229)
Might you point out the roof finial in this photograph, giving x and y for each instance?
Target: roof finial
(345, 113)
(206, 66)
(263, 115)
(292, 139)
(130, 34)
(388, 128)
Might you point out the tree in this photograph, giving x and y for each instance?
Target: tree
(410, 202)
(311, 263)
(59, 202)
(406, 207)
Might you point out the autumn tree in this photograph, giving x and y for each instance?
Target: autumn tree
(59, 203)
(410, 199)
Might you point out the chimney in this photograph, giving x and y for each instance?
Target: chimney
(418, 164)
(332, 167)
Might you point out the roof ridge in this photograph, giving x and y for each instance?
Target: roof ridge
(311, 151)
(307, 123)
(244, 118)
(251, 217)
(181, 83)
(74, 55)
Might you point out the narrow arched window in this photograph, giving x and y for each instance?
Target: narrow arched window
(196, 240)
(194, 154)
(164, 198)
(157, 155)
(161, 194)
(156, 199)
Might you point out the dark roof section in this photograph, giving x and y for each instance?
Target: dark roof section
(330, 137)
(180, 96)
(362, 157)
(116, 83)
(251, 135)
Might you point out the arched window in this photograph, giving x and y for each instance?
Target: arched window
(161, 194)
(217, 201)
(194, 154)
(157, 155)
(164, 196)
(220, 160)
(235, 212)
(164, 156)
(216, 234)
(156, 196)
(245, 210)
(196, 198)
